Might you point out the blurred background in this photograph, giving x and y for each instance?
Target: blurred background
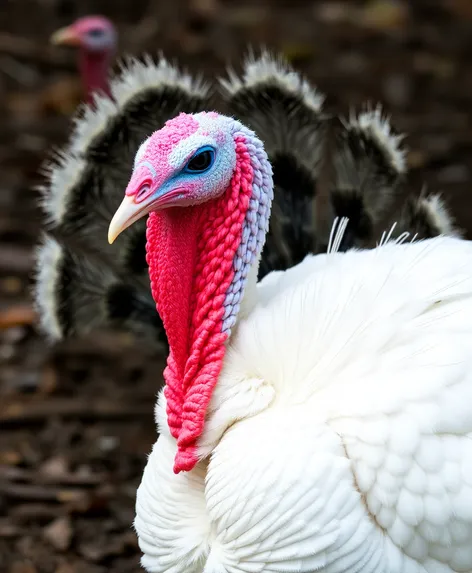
(77, 419)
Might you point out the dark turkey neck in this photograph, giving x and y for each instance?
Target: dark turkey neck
(94, 68)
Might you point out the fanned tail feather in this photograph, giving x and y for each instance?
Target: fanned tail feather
(368, 168)
(80, 276)
(426, 216)
(286, 113)
(324, 167)
(76, 295)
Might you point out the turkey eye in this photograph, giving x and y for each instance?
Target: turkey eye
(95, 33)
(201, 161)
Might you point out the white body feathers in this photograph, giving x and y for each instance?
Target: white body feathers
(338, 438)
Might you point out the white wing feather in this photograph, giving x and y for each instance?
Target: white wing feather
(281, 498)
(355, 454)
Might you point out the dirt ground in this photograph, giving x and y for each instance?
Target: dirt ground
(77, 419)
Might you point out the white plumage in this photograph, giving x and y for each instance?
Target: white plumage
(339, 431)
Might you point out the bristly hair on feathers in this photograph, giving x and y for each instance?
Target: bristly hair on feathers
(426, 216)
(324, 168)
(368, 166)
(287, 114)
(83, 282)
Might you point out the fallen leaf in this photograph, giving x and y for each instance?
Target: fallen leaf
(23, 567)
(442, 68)
(59, 533)
(461, 8)
(11, 285)
(71, 496)
(48, 382)
(55, 467)
(204, 8)
(384, 15)
(10, 458)
(8, 530)
(333, 12)
(296, 53)
(416, 158)
(19, 315)
(65, 568)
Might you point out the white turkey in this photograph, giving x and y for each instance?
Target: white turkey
(319, 420)
(323, 168)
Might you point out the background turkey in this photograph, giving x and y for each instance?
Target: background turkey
(95, 38)
(324, 168)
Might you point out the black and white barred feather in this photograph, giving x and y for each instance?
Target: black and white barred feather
(83, 282)
(323, 168)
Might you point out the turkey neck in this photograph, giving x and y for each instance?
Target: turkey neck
(94, 67)
(199, 260)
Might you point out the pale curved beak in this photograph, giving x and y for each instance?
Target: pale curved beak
(127, 213)
(65, 37)
(130, 211)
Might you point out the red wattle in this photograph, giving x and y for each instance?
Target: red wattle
(190, 253)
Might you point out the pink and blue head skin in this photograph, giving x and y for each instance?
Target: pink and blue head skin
(96, 39)
(206, 183)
